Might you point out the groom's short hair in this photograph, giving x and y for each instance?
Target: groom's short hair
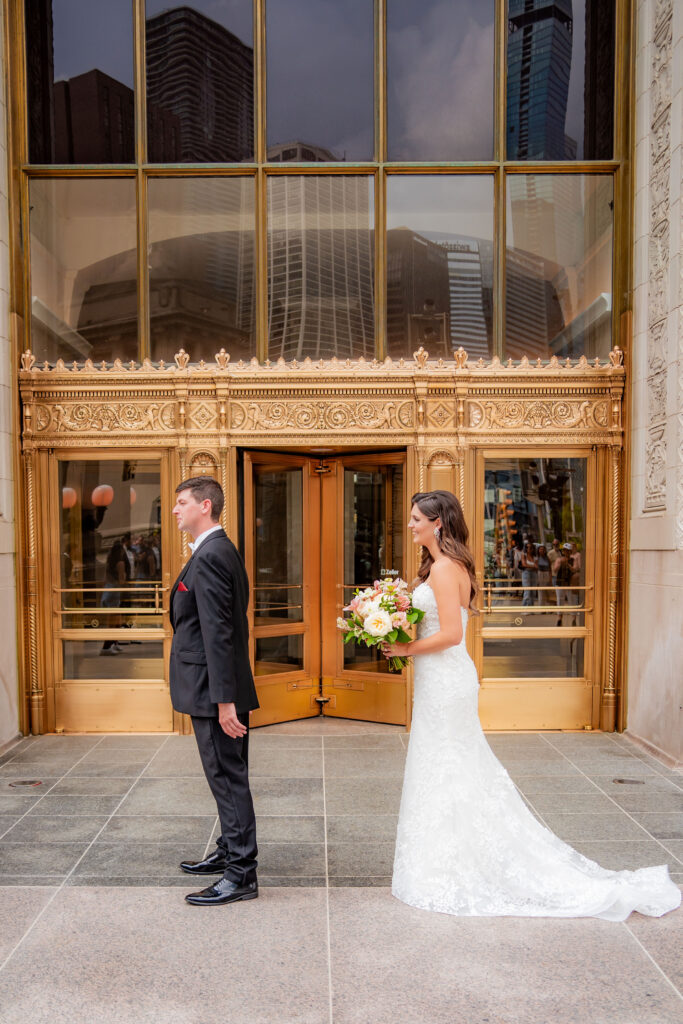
(204, 487)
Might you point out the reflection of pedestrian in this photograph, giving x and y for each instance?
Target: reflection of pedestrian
(529, 567)
(116, 573)
(563, 578)
(543, 574)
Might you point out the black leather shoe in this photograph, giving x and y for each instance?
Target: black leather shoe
(223, 891)
(214, 864)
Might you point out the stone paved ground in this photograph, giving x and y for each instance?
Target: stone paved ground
(93, 926)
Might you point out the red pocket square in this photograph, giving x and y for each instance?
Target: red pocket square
(181, 586)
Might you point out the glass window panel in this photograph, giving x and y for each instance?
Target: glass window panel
(136, 617)
(79, 76)
(321, 267)
(275, 654)
(439, 264)
(560, 79)
(529, 658)
(320, 80)
(278, 545)
(373, 542)
(534, 541)
(83, 269)
(440, 70)
(558, 296)
(110, 541)
(201, 266)
(109, 659)
(200, 81)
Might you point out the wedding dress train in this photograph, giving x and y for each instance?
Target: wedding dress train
(467, 843)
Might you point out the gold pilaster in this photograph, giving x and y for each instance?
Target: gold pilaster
(37, 698)
(608, 705)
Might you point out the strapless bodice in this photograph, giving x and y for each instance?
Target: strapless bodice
(423, 598)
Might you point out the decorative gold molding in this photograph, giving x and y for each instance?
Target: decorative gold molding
(608, 706)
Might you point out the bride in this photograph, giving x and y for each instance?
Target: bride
(467, 843)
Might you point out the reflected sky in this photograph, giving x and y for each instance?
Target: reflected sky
(93, 34)
(235, 15)
(440, 79)
(446, 203)
(320, 74)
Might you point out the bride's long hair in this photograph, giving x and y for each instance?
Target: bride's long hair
(454, 534)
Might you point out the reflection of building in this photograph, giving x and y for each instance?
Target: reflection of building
(204, 75)
(94, 120)
(539, 66)
(418, 297)
(300, 152)
(320, 268)
(470, 285)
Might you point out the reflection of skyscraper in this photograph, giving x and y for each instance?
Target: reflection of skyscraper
(418, 301)
(320, 268)
(94, 118)
(204, 74)
(539, 66)
(296, 150)
(470, 285)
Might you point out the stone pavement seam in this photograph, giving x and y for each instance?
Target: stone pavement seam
(609, 797)
(327, 888)
(634, 751)
(70, 873)
(650, 957)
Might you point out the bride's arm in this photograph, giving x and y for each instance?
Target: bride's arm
(445, 579)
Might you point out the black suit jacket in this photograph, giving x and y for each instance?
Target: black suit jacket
(210, 650)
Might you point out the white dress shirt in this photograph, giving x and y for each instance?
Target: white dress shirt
(202, 536)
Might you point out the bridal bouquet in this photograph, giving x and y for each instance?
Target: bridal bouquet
(381, 614)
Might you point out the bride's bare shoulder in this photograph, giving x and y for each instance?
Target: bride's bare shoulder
(447, 570)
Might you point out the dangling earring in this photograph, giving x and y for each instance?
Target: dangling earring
(437, 534)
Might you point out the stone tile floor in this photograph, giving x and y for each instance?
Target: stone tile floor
(93, 926)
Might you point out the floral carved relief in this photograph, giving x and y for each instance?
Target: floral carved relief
(319, 415)
(111, 416)
(538, 414)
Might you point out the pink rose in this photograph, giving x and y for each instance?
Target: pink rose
(399, 619)
(402, 602)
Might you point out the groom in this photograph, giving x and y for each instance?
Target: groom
(211, 680)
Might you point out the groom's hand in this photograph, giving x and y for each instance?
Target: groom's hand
(229, 722)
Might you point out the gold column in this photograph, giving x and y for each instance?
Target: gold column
(608, 705)
(37, 699)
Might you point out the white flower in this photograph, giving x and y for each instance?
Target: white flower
(366, 607)
(343, 624)
(377, 623)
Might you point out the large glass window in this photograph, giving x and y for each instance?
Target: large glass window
(320, 80)
(201, 266)
(79, 73)
(439, 264)
(440, 71)
(320, 267)
(558, 296)
(84, 301)
(560, 79)
(200, 81)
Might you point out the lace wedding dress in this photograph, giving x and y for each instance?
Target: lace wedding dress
(467, 843)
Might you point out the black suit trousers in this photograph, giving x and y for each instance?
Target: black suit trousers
(225, 763)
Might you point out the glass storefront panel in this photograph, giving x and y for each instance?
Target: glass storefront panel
(440, 74)
(560, 79)
(110, 543)
(200, 81)
(276, 654)
(97, 659)
(320, 80)
(80, 81)
(83, 269)
(535, 542)
(558, 295)
(201, 267)
(321, 267)
(439, 264)
(278, 545)
(373, 542)
(529, 658)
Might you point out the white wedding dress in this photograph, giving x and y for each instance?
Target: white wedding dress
(467, 843)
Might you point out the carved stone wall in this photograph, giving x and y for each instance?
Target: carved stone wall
(655, 647)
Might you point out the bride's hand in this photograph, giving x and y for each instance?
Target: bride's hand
(395, 650)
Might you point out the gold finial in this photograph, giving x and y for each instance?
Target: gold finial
(616, 356)
(421, 357)
(181, 359)
(222, 359)
(28, 360)
(461, 358)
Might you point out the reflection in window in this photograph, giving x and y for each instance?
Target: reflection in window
(89, 659)
(440, 64)
(320, 102)
(526, 658)
(320, 267)
(439, 264)
(111, 542)
(278, 545)
(534, 541)
(201, 260)
(560, 79)
(83, 269)
(558, 297)
(275, 654)
(79, 72)
(200, 81)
